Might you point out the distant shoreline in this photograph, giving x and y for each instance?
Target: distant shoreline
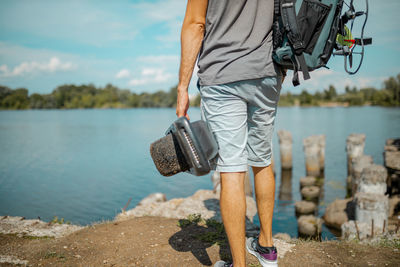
(86, 96)
(322, 105)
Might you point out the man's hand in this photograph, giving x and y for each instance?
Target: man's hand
(182, 103)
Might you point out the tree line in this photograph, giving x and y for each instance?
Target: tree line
(388, 96)
(71, 96)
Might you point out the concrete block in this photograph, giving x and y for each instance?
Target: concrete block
(285, 147)
(372, 207)
(373, 180)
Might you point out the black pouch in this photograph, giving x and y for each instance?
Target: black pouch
(311, 19)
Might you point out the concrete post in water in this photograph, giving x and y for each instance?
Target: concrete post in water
(310, 193)
(305, 207)
(322, 144)
(248, 189)
(307, 181)
(392, 163)
(358, 165)
(309, 226)
(285, 147)
(372, 207)
(354, 147)
(285, 188)
(311, 152)
(373, 180)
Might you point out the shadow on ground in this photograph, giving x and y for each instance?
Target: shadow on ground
(197, 234)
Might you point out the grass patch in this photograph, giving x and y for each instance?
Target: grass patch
(215, 233)
(36, 237)
(393, 243)
(59, 221)
(29, 237)
(53, 254)
(192, 219)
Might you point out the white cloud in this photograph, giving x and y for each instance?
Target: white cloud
(151, 76)
(148, 72)
(153, 69)
(53, 65)
(322, 78)
(363, 82)
(3, 68)
(136, 82)
(124, 73)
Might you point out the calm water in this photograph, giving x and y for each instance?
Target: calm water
(84, 165)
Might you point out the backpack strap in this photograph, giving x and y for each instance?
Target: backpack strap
(295, 79)
(289, 20)
(277, 8)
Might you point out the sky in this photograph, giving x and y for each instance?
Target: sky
(135, 45)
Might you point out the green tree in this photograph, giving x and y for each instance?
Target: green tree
(330, 94)
(145, 101)
(318, 96)
(4, 91)
(37, 101)
(286, 100)
(305, 98)
(18, 99)
(196, 101)
(382, 98)
(133, 100)
(87, 101)
(173, 94)
(393, 86)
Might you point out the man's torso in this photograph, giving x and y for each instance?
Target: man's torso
(238, 41)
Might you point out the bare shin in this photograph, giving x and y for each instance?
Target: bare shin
(264, 182)
(233, 211)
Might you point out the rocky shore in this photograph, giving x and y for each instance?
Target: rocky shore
(204, 203)
(35, 228)
(153, 234)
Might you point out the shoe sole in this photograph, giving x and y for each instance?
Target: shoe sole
(263, 262)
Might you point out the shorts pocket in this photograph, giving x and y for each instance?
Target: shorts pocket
(311, 20)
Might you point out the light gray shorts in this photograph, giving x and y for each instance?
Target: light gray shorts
(241, 116)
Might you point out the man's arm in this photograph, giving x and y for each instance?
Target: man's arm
(191, 38)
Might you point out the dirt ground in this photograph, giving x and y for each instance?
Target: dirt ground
(153, 241)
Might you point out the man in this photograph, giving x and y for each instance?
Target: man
(239, 87)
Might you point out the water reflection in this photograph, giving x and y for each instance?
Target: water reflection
(285, 188)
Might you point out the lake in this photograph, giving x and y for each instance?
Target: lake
(84, 165)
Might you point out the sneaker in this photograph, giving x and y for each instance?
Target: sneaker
(266, 259)
(223, 264)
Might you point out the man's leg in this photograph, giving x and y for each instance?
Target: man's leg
(264, 182)
(233, 211)
(262, 108)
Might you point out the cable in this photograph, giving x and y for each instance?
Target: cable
(362, 42)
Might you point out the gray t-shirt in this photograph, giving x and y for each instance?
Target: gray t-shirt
(237, 44)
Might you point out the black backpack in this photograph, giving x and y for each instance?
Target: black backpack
(305, 34)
